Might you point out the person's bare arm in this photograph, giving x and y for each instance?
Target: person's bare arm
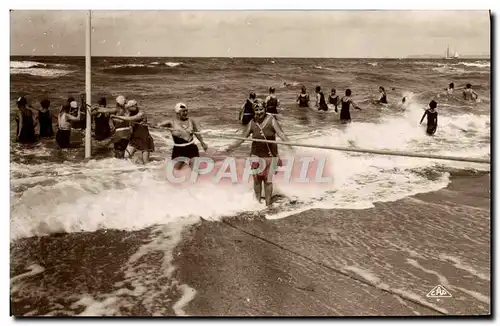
(20, 118)
(197, 129)
(425, 113)
(280, 133)
(246, 133)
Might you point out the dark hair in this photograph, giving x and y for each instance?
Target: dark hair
(433, 104)
(452, 85)
(334, 90)
(318, 88)
(22, 102)
(102, 101)
(382, 88)
(45, 103)
(71, 99)
(252, 95)
(303, 88)
(271, 89)
(468, 86)
(65, 108)
(348, 92)
(404, 99)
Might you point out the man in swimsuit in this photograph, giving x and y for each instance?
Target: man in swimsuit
(263, 126)
(183, 129)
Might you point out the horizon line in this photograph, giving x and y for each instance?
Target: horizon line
(411, 56)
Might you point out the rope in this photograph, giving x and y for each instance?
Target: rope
(360, 150)
(335, 270)
(338, 148)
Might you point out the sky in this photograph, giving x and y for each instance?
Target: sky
(344, 34)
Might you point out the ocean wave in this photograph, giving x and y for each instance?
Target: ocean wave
(479, 64)
(41, 72)
(26, 64)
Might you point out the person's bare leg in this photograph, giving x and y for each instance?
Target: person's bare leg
(145, 157)
(257, 188)
(268, 191)
(129, 152)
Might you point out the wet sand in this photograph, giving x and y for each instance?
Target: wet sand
(380, 261)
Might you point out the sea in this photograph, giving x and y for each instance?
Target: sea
(75, 222)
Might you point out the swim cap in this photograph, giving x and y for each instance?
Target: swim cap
(179, 107)
(73, 105)
(120, 100)
(130, 104)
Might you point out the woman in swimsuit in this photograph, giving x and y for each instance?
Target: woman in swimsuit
(140, 139)
(346, 102)
(184, 129)
(303, 98)
(25, 123)
(263, 126)
(45, 119)
(64, 120)
(432, 118)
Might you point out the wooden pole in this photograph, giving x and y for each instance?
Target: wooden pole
(88, 85)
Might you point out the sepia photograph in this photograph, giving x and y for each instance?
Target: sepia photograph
(250, 163)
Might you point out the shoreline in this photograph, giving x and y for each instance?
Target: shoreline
(300, 265)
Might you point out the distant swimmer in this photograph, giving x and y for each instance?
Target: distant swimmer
(450, 89)
(303, 98)
(404, 103)
(266, 127)
(140, 139)
(469, 93)
(334, 99)
(184, 129)
(271, 103)
(346, 102)
(45, 119)
(432, 118)
(25, 123)
(320, 100)
(122, 128)
(64, 120)
(246, 112)
(383, 96)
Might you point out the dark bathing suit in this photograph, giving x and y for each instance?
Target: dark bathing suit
(303, 100)
(45, 121)
(272, 105)
(27, 135)
(322, 102)
(431, 122)
(345, 114)
(102, 129)
(248, 113)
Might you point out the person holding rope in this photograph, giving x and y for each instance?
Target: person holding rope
(263, 126)
(102, 116)
(183, 129)
(122, 128)
(140, 139)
